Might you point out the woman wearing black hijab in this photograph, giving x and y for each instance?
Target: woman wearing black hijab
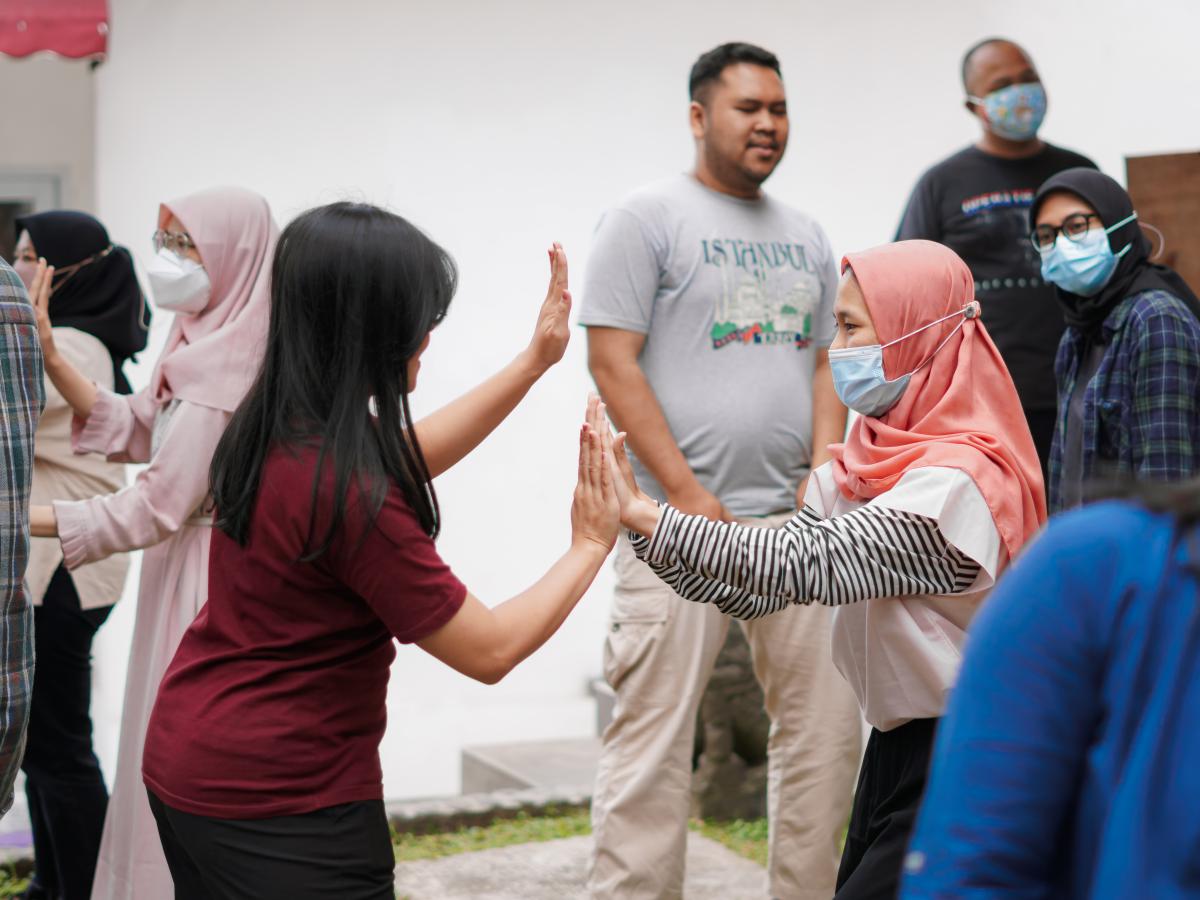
(100, 322)
(1128, 366)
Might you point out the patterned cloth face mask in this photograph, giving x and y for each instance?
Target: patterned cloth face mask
(858, 371)
(1083, 266)
(1015, 113)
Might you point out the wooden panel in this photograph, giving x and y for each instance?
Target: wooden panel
(1166, 194)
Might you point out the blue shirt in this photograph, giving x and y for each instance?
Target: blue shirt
(1141, 410)
(1068, 762)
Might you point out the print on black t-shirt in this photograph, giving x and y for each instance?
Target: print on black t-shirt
(978, 204)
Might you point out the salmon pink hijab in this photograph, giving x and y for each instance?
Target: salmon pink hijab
(960, 410)
(211, 358)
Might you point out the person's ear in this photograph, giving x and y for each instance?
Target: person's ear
(697, 118)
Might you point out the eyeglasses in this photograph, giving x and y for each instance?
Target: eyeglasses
(176, 241)
(1074, 226)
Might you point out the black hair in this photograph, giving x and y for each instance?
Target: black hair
(975, 48)
(1180, 500)
(354, 292)
(708, 68)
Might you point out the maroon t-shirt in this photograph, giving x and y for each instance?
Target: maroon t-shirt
(275, 702)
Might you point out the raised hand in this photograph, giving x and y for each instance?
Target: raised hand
(552, 332)
(638, 511)
(39, 294)
(596, 511)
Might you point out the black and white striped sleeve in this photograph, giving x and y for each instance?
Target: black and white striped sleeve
(750, 572)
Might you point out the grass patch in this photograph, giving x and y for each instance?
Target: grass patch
(11, 883)
(523, 829)
(749, 839)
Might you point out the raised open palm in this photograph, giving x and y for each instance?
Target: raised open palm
(552, 332)
(39, 294)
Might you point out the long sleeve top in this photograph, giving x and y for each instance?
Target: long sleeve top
(177, 440)
(1141, 408)
(923, 554)
(20, 405)
(61, 474)
(1065, 766)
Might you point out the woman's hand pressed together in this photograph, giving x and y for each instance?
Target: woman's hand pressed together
(596, 510)
(639, 512)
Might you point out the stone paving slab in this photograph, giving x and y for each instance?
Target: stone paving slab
(555, 870)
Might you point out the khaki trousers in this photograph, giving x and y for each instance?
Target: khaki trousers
(658, 656)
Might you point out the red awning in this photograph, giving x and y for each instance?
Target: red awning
(74, 28)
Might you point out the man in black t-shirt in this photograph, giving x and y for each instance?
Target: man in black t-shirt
(976, 202)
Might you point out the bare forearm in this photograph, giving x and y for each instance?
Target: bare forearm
(42, 522)
(635, 410)
(528, 620)
(460, 426)
(829, 415)
(78, 390)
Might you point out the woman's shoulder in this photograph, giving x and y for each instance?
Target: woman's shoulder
(84, 351)
(1156, 304)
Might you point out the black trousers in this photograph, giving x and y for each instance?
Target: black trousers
(1041, 426)
(890, 786)
(63, 783)
(338, 853)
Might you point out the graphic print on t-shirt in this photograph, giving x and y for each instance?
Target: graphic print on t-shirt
(769, 292)
(1002, 217)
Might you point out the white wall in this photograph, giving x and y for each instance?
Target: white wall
(48, 126)
(501, 127)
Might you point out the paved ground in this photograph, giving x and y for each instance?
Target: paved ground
(554, 870)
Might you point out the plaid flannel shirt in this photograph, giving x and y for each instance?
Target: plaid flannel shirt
(1141, 410)
(22, 395)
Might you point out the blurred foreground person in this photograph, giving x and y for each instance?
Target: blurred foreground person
(20, 407)
(1066, 764)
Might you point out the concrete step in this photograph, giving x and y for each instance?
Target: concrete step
(606, 700)
(530, 764)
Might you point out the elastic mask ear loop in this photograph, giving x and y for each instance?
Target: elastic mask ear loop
(970, 311)
(68, 272)
(1125, 221)
(143, 322)
(1162, 240)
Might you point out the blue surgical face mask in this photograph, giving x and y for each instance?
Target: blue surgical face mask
(858, 371)
(1084, 266)
(1015, 112)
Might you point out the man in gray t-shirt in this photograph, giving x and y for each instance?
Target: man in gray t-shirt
(709, 309)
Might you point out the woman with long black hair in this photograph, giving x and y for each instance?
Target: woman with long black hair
(262, 756)
(100, 321)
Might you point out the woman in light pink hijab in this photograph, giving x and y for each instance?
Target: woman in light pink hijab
(212, 269)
